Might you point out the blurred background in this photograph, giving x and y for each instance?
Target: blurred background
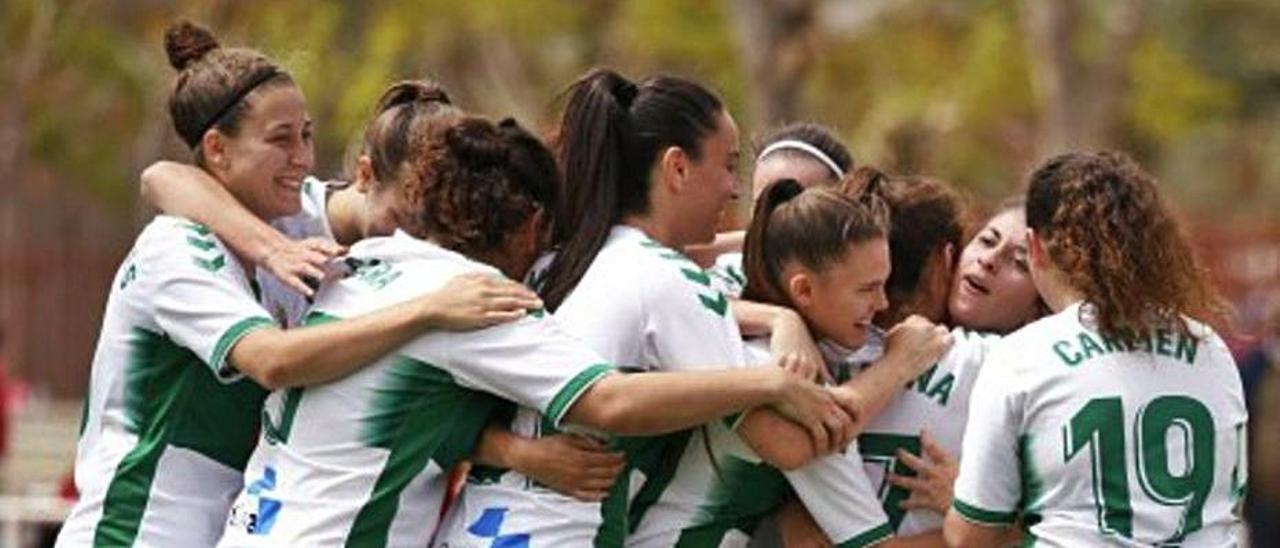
(974, 92)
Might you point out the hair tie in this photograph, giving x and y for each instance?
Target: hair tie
(625, 92)
(193, 140)
(792, 144)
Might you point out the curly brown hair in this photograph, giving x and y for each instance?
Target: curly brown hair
(472, 183)
(1106, 227)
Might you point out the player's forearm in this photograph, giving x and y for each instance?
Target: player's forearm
(321, 353)
(755, 319)
(498, 448)
(777, 439)
(876, 385)
(661, 402)
(188, 191)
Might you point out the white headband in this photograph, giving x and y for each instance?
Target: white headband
(802, 147)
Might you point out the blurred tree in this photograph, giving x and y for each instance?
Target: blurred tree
(776, 40)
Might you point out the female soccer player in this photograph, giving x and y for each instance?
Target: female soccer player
(927, 224)
(169, 419)
(649, 168)
(807, 152)
(360, 460)
(1119, 419)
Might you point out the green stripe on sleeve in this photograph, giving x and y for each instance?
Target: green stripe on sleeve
(873, 536)
(317, 317)
(218, 361)
(573, 389)
(982, 516)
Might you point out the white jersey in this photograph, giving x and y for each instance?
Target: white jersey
(641, 305)
(1113, 443)
(728, 275)
(833, 488)
(168, 423)
(937, 401)
(362, 460)
(312, 221)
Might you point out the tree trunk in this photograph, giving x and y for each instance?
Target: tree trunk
(775, 40)
(1080, 99)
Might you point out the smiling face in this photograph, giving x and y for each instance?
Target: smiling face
(992, 289)
(839, 302)
(264, 163)
(715, 181)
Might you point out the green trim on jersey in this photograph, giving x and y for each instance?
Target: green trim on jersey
(983, 516)
(873, 536)
(1032, 489)
(658, 462)
(217, 361)
(172, 398)
(420, 415)
(565, 399)
(743, 495)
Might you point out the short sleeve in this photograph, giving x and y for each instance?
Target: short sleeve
(727, 274)
(988, 487)
(200, 298)
(530, 361)
(837, 493)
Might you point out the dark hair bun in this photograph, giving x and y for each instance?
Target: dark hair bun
(187, 42)
(412, 91)
(478, 145)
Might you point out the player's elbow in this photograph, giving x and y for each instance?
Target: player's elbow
(778, 441)
(605, 406)
(960, 533)
(152, 179)
(257, 358)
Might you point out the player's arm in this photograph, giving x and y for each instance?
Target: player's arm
(961, 533)
(911, 347)
(726, 242)
(188, 191)
(277, 358)
(573, 465)
(660, 402)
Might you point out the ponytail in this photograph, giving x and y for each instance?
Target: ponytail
(762, 274)
(813, 228)
(610, 135)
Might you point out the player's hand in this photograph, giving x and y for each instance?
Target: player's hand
(472, 301)
(572, 465)
(851, 401)
(794, 349)
(300, 263)
(815, 408)
(915, 344)
(934, 482)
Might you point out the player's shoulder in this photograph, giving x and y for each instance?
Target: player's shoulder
(384, 270)
(655, 268)
(171, 245)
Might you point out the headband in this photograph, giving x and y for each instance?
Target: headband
(232, 102)
(802, 146)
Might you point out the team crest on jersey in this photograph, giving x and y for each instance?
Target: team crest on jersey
(256, 514)
(489, 526)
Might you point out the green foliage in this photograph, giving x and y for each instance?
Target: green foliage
(942, 88)
(1172, 97)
